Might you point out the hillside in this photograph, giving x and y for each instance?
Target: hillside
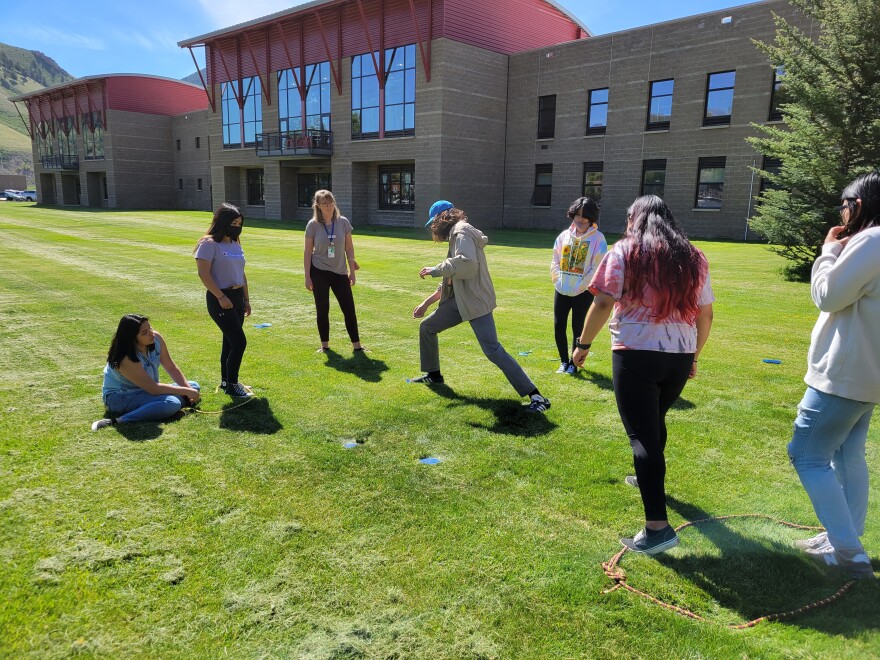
(21, 71)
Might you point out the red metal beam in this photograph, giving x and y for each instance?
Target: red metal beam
(201, 78)
(266, 91)
(336, 77)
(230, 79)
(296, 78)
(104, 102)
(27, 125)
(370, 42)
(426, 59)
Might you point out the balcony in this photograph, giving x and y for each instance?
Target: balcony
(60, 162)
(310, 142)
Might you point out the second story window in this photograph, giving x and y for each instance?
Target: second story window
(66, 131)
(93, 135)
(316, 83)
(777, 95)
(242, 110)
(383, 107)
(546, 116)
(719, 98)
(597, 111)
(400, 90)
(660, 105)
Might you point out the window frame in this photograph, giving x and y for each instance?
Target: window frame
(718, 120)
(653, 165)
(538, 192)
(707, 163)
(546, 117)
(256, 188)
(593, 167)
(659, 125)
(384, 195)
(311, 187)
(251, 92)
(597, 130)
(775, 114)
(403, 77)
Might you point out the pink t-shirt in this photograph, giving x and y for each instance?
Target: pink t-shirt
(631, 325)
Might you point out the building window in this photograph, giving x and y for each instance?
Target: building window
(307, 185)
(546, 116)
(255, 193)
(654, 177)
(597, 111)
(241, 125)
(198, 142)
(66, 130)
(199, 185)
(710, 183)
(771, 166)
(777, 94)
(397, 187)
(660, 105)
(316, 80)
(719, 98)
(593, 174)
(178, 145)
(93, 135)
(180, 185)
(398, 113)
(543, 184)
(104, 185)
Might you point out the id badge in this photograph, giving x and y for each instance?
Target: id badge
(331, 251)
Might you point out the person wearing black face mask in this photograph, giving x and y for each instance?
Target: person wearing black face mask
(220, 261)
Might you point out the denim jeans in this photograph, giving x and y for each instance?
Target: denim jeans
(139, 406)
(828, 452)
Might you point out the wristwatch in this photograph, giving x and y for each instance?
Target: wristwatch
(583, 347)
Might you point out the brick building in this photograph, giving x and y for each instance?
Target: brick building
(512, 109)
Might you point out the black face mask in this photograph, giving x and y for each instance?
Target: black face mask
(233, 232)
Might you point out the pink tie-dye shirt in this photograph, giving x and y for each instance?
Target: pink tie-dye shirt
(631, 325)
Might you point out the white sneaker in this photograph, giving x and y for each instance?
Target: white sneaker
(812, 542)
(101, 423)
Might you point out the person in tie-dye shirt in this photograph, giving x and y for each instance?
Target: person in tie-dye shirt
(577, 253)
(657, 285)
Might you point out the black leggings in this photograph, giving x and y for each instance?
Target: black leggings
(230, 322)
(322, 282)
(646, 384)
(562, 305)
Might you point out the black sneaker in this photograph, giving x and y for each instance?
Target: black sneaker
(538, 404)
(426, 379)
(653, 544)
(238, 390)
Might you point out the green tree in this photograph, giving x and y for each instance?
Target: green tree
(831, 107)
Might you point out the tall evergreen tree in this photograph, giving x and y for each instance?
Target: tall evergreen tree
(830, 97)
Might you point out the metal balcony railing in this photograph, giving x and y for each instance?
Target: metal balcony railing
(60, 162)
(310, 142)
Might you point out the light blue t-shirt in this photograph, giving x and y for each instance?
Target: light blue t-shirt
(116, 382)
(227, 261)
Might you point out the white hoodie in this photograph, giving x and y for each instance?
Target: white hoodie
(844, 357)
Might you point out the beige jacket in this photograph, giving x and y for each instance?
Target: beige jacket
(465, 272)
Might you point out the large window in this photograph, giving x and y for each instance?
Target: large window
(93, 135)
(397, 188)
(543, 185)
(597, 111)
(660, 105)
(771, 166)
(719, 98)
(317, 105)
(710, 183)
(654, 177)
(307, 185)
(241, 125)
(777, 94)
(255, 191)
(398, 114)
(66, 137)
(546, 116)
(593, 176)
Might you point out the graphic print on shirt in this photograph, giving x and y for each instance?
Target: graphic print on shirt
(574, 257)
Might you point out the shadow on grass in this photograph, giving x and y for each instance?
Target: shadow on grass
(758, 576)
(511, 417)
(359, 364)
(683, 404)
(252, 416)
(140, 431)
(599, 380)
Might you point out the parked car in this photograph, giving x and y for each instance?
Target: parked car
(29, 195)
(13, 196)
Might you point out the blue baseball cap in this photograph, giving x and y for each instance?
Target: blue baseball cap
(437, 208)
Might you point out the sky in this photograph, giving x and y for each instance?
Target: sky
(124, 36)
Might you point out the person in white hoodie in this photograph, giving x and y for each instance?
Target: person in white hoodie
(843, 378)
(577, 253)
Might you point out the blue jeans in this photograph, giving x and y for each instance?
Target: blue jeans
(828, 452)
(139, 406)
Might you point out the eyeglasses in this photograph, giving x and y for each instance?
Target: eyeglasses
(847, 204)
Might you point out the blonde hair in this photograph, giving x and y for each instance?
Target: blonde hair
(321, 195)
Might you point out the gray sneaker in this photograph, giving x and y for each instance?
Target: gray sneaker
(854, 565)
(812, 542)
(102, 424)
(653, 544)
(631, 480)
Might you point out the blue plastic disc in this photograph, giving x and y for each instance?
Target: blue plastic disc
(429, 461)
(262, 325)
(769, 361)
(350, 445)
(525, 352)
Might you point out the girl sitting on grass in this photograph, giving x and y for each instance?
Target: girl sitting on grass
(132, 391)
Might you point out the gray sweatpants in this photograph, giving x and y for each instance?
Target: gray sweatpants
(446, 316)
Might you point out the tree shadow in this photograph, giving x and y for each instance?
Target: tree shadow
(360, 364)
(759, 576)
(252, 415)
(511, 417)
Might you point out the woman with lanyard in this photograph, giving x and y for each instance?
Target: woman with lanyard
(220, 261)
(328, 247)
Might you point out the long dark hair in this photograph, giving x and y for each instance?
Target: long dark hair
(224, 216)
(444, 222)
(124, 342)
(661, 258)
(866, 214)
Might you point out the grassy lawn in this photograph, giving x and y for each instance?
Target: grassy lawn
(254, 532)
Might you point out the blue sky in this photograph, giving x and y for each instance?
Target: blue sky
(118, 36)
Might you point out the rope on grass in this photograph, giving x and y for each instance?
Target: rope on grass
(220, 412)
(618, 576)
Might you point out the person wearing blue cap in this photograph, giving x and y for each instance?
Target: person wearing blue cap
(465, 293)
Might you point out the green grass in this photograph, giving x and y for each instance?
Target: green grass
(254, 533)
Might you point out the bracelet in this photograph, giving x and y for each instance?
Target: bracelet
(583, 347)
